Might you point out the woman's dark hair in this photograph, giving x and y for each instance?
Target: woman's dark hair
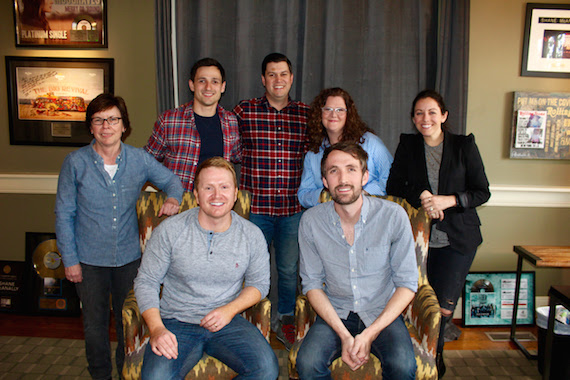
(34, 15)
(432, 94)
(105, 101)
(354, 128)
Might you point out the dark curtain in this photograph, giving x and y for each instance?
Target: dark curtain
(382, 52)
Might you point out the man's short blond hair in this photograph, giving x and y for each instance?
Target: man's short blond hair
(215, 162)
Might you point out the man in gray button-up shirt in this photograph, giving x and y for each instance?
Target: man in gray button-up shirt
(359, 271)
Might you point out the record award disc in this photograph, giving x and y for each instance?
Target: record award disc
(47, 260)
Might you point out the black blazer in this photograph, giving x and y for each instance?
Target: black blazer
(461, 174)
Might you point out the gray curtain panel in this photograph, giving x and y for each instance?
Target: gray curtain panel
(382, 52)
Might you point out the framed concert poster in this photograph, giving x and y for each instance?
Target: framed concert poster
(488, 299)
(546, 46)
(61, 23)
(48, 98)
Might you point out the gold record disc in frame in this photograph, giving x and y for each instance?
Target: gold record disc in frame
(47, 260)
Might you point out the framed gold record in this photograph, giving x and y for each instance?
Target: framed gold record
(47, 260)
(48, 291)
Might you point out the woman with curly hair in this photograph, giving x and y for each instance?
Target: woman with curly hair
(333, 118)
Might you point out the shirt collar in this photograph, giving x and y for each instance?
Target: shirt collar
(363, 211)
(97, 157)
(265, 101)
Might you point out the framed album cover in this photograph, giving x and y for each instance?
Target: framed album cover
(48, 97)
(546, 46)
(488, 299)
(61, 23)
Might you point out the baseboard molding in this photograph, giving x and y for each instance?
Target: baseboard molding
(501, 195)
(539, 301)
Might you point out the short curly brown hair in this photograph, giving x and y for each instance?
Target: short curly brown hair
(353, 130)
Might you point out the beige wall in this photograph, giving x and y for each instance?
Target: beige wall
(495, 53)
(494, 73)
(131, 44)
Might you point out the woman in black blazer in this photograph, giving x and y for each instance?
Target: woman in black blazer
(443, 173)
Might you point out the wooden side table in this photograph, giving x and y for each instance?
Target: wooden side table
(541, 256)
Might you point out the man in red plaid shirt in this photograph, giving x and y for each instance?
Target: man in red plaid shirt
(185, 136)
(274, 136)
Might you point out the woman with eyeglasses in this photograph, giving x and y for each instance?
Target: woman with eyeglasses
(96, 223)
(442, 172)
(333, 118)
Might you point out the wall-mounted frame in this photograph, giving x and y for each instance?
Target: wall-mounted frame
(48, 98)
(541, 126)
(546, 46)
(488, 299)
(61, 24)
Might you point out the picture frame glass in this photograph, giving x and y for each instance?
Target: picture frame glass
(488, 299)
(48, 98)
(546, 47)
(64, 24)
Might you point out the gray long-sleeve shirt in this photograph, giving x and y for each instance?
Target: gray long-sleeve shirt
(201, 270)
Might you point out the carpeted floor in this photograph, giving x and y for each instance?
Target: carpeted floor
(50, 358)
(24, 358)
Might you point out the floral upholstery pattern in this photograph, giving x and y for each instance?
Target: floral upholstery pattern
(422, 316)
(135, 329)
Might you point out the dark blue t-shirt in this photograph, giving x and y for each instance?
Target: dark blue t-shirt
(211, 138)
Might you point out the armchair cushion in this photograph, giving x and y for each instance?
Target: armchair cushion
(422, 316)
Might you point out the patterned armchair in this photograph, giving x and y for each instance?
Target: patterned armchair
(135, 329)
(422, 316)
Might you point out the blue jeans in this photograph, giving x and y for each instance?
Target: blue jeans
(283, 231)
(98, 283)
(239, 345)
(322, 346)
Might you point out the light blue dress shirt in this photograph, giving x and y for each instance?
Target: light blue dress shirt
(361, 277)
(96, 218)
(379, 163)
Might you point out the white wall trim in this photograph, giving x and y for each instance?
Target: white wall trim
(529, 196)
(28, 183)
(501, 195)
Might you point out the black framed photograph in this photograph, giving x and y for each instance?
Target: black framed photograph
(546, 44)
(61, 23)
(48, 98)
(488, 299)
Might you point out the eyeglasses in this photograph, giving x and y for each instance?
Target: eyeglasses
(338, 110)
(110, 120)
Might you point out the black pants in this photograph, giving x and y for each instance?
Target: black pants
(447, 269)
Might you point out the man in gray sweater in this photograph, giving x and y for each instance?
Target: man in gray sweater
(214, 264)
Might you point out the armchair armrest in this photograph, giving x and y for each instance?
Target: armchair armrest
(136, 335)
(260, 316)
(424, 315)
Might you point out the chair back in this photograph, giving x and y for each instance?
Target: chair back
(150, 202)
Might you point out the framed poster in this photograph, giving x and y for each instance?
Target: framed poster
(61, 23)
(488, 299)
(546, 46)
(48, 98)
(540, 126)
